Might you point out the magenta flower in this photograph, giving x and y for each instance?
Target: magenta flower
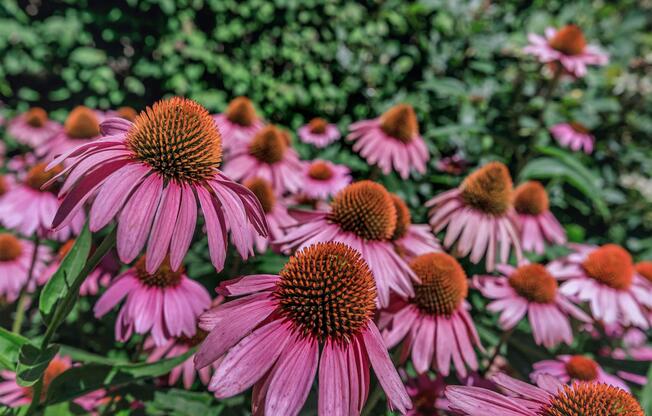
(479, 215)
(568, 47)
(239, 123)
(550, 398)
(531, 289)
(319, 133)
(537, 224)
(453, 165)
(268, 156)
(567, 368)
(426, 393)
(434, 324)
(314, 319)
(323, 179)
(411, 239)
(362, 216)
(574, 136)
(29, 207)
(275, 209)
(149, 174)
(605, 277)
(81, 127)
(391, 141)
(165, 302)
(15, 262)
(33, 128)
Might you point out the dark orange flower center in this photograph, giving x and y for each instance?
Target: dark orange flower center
(194, 340)
(179, 139)
(10, 247)
(592, 399)
(37, 176)
(531, 198)
(568, 40)
(579, 127)
(269, 145)
(4, 186)
(365, 208)
(128, 113)
(263, 191)
(36, 117)
(644, 268)
(488, 189)
(403, 217)
(582, 368)
(320, 171)
(241, 111)
(56, 367)
(400, 122)
(443, 283)
(327, 291)
(82, 123)
(610, 265)
(163, 277)
(317, 125)
(534, 283)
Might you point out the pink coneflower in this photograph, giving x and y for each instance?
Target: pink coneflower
(323, 179)
(435, 323)
(567, 368)
(574, 136)
(531, 289)
(479, 215)
(319, 132)
(453, 165)
(426, 393)
(14, 395)
(634, 347)
(239, 123)
(82, 126)
(174, 348)
(316, 316)
(276, 212)
(165, 302)
(362, 216)
(551, 398)
(127, 113)
(15, 262)
(411, 239)
(30, 207)
(605, 277)
(33, 127)
(391, 141)
(643, 271)
(537, 224)
(566, 46)
(268, 156)
(150, 174)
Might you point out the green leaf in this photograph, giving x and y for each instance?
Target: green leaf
(32, 362)
(10, 345)
(181, 402)
(77, 381)
(63, 279)
(646, 394)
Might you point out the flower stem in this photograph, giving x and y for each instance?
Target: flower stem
(503, 340)
(24, 296)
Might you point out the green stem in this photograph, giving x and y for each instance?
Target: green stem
(503, 340)
(24, 296)
(373, 401)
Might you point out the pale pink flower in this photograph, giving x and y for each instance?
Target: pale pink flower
(434, 324)
(566, 46)
(391, 141)
(538, 225)
(479, 216)
(33, 128)
(81, 127)
(605, 277)
(362, 216)
(319, 132)
(411, 239)
(165, 303)
(315, 319)
(568, 368)
(15, 262)
(150, 174)
(634, 347)
(550, 398)
(239, 123)
(574, 136)
(323, 179)
(531, 290)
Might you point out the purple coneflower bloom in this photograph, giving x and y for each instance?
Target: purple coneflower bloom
(319, 133)
(537, 224)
